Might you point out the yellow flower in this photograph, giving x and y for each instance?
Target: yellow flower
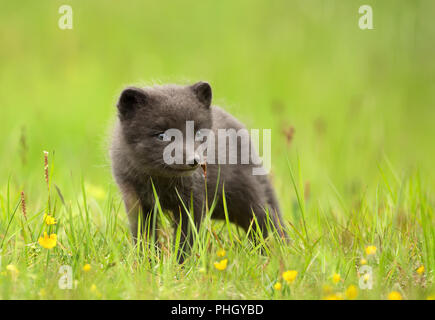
(363, 261)
(87, 267)
(49, 220)
(290, 275)
(277, 286)
(221, 265)
(334, 296)
(431, 297)
(12, 269)
(336, 278)
(351, 292)
(420, 270)
(370, 250)
(95, 290)
(48, 242)
(221, 253)
(394, 295)
(366, 277)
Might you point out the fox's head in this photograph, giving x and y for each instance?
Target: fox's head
(145, 115)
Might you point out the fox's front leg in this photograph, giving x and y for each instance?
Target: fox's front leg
(187, 234)
(137, 213)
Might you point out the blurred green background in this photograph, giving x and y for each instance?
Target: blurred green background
(354, 97)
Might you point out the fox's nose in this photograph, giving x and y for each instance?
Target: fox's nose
(194, 161)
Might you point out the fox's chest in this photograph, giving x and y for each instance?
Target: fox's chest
(170, 195)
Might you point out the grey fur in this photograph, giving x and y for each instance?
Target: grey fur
(136, 156)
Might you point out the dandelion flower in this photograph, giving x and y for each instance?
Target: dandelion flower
(48, 242)
(420, 270)
(370, 250)
(363, 261)
(221, 253)
(221, 265)
(336, 278)
(290, 275)
(49, 220)
(394, 295)
(87, 267)
(351, 292)
(277, 286)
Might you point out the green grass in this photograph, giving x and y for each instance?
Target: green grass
(357, 172)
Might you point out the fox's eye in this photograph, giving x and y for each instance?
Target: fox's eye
(161, 136)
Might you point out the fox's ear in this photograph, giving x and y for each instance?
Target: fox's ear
(203, 92)
(130, 100)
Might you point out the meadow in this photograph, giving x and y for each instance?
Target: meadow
(352, 118)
